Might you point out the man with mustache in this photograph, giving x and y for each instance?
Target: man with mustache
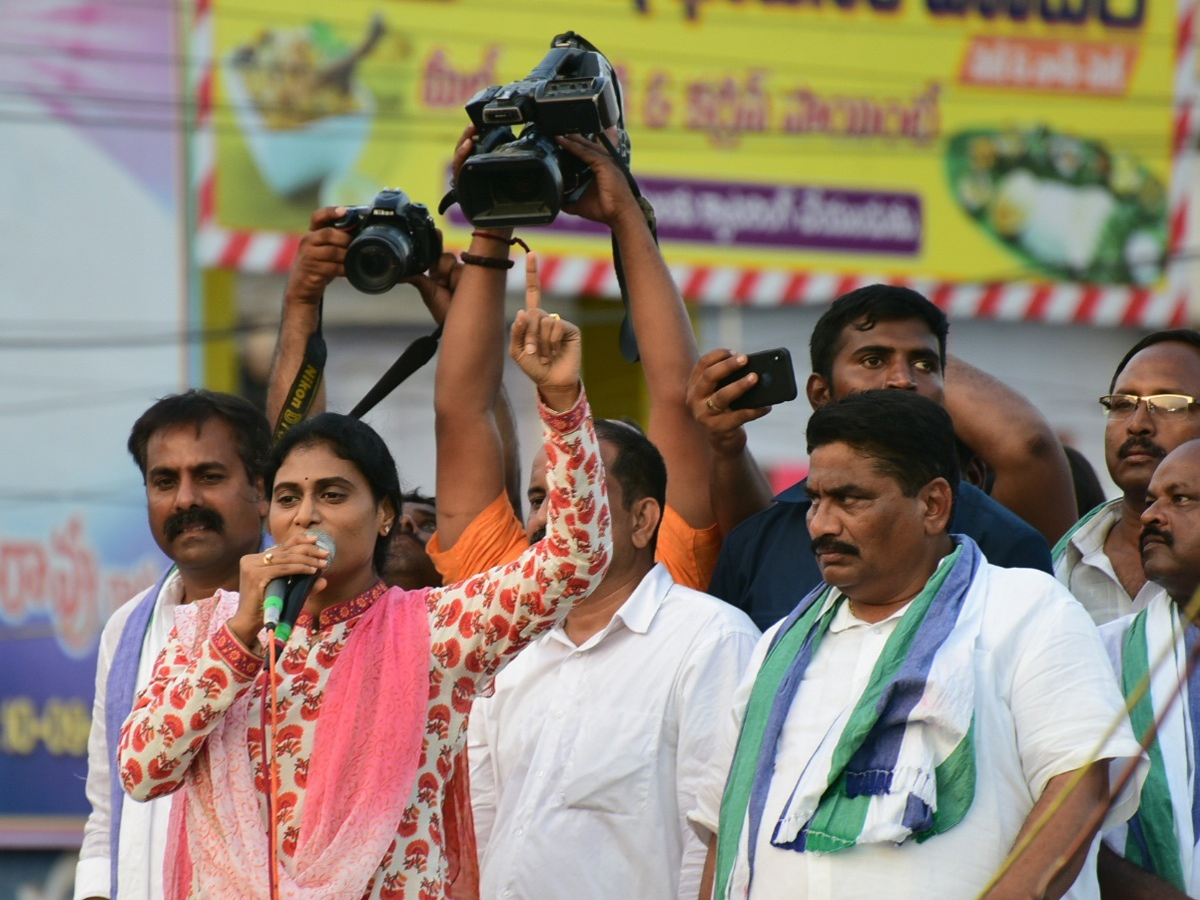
(1151, 410)
(1156, 854)
(200, 455)
(921, 709)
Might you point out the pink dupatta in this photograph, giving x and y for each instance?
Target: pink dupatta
(364, 764)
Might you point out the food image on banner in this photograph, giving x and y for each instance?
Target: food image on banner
(904, 139)
(303, 113)
(1062, 203)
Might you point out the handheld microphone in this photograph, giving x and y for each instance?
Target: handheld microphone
(285, 596)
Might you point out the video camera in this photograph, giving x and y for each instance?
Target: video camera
(510, 180)
(394, 239)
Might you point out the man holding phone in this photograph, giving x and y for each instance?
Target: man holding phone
(774, 380)
(884, 337)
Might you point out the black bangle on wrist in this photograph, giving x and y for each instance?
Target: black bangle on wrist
(487, 262)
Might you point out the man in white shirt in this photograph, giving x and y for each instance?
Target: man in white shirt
(586, 760)
(200, 455)
(1156, 856)
(1151, 410)
(921, 709)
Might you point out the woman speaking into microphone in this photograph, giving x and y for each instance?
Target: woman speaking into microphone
(330, 780)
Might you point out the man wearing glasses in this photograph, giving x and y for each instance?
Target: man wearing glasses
(1151, 410)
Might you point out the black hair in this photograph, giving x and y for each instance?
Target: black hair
(910, 437)
(1172, 335)
(351, 440)
(197, 407)
(637, 466)
(1088, 492)
(863, 309)
(418, 497)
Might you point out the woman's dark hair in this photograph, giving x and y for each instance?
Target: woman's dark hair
(1088, 492)
(351, 440)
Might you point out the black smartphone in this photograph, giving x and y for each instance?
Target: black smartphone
(776, 379)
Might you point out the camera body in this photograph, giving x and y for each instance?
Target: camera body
(394, 238)
(510, 180)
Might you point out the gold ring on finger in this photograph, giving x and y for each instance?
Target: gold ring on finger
(267, 557)
(555, 316)
(713, 406)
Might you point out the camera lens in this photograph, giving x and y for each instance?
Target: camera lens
(378, 258)
(523, 188)
(374, 263)
(520, 184)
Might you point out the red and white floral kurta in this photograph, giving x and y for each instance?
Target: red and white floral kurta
(476, 627)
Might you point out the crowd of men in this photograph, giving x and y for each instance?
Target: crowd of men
(905, 676)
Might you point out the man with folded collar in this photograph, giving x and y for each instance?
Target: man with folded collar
(1151, 409)
(200, 454)
(920, 710)
(1156, 854)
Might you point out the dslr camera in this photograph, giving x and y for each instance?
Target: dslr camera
(393, 239)
(525, 180)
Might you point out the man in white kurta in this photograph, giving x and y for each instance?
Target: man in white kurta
(1043, 703)
(199, 454)
(143, 838)
(1017, 678)
(586, 760)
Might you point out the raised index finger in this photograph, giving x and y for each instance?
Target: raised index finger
(533, 285)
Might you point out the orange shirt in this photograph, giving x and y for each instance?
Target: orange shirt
(496, 537)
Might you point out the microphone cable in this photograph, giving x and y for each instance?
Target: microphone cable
(269, 756)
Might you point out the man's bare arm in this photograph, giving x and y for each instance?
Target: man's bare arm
(320, 259)
(710, 870)
(665, 338)
(1038, 872)
(1006, 431)
(1122, 880)
(506, 424)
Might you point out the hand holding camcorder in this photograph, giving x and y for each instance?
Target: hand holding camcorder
(526, 180)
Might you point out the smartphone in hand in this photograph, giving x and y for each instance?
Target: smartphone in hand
(776, 379)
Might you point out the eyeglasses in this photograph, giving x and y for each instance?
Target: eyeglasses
(1122, 406)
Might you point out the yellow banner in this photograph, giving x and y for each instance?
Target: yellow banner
(971, 140)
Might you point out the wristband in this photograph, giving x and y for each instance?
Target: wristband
(488, 262)
(512, 242)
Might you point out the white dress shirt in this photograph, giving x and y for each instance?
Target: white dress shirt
(1044, 698)
(587, 759)
(1087, 571)
(143, 825)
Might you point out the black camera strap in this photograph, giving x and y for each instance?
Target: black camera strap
(312, 369)
(307, 382)
(414, 356)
